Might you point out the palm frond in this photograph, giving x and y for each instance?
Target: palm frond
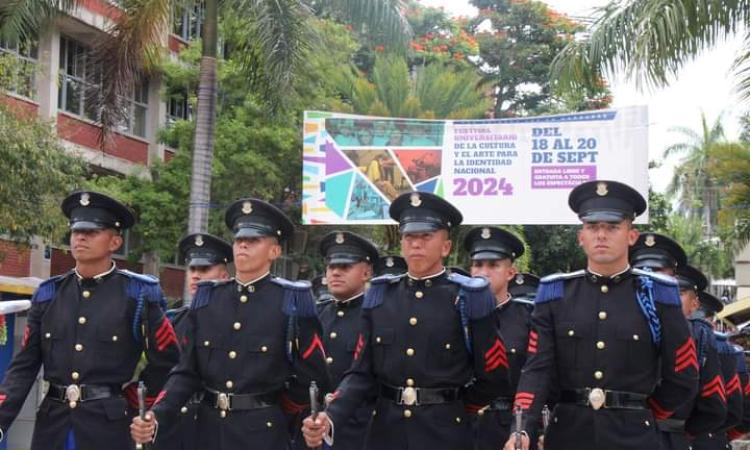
(384, 20)
(129, 50)
(25, 18)
(650, 40)
(274, 44)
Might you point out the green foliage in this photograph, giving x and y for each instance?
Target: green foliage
(37, 174)
(731, 164)
(554, 248)
(516, 54)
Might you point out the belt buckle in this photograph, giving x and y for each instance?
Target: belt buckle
(597, 398)
(73, 395)
(409, 396)
(223, 402)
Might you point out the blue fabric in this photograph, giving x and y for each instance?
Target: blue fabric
(375, 294)
(46, 291)
(202, 295)
(70, 441)
(298, 299)
(550, 290)
(645, 296)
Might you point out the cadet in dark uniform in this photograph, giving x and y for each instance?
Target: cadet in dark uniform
(349, 259)
(425, 336)
(390, 264)
(254, 344)
(88, 328)
(708, 409)
(614, 336)
(493, 252)
(731, 360)
(523, 287)
(206, 258)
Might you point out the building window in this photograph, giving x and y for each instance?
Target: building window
(178, 107)
(18, 66)
(187, 20)
(79, 79)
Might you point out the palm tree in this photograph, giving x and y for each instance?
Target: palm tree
(692, 183)
(650, 40)
(730, 162)
(278, 37)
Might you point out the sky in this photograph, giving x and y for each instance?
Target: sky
(703, 85)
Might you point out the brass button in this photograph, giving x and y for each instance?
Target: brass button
(86, 294)
(409, 352)
(602, 315)
(513, 350)
(448, 346)
(333, 335)
(648, 424)
(75, 375)
(340, 313)
(419, 294)
(635, 337)
(184, 410)
(407, 413)
(598, 375)
(206, 343)
(237, 326)
(47, 335)
(604, 289)
(269, 424)
(82, 320)
(223, 414)
(409, 382)
(377, 339)
(413, 321)
(229, 384)
(79, 347)
(458, 420)
(571, 333)
(232, 354)
(243, 298)
(600, 345)
(428, 283)
(114, 338)
(329, 360)
(264, 349)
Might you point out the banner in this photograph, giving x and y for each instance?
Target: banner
(508, 171)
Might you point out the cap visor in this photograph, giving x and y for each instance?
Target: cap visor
(343, 259)
(652, 263)
(244, 233)
(86, 226)
(201, 262)
(603, 216)
(711, 304)
(488, 256)
(419, 227)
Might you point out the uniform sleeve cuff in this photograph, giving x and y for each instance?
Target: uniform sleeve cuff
(328, 438)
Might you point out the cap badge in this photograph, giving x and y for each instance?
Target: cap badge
(199, 240)
(601, 189)
(415, 200)
(339, 238)
(85, 199)
(650, 240)
(324, 281)
(486, 234)
(247, 207)
(519, 279)
(389, 262)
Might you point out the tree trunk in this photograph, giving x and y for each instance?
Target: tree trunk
(205, 122)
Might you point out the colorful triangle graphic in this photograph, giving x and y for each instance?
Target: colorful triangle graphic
(337, 192)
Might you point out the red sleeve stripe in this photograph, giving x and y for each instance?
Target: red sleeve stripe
(533, 342)
(131, 395)
(495, 357)
(291, 407)
(165, 335)
(26, 336)
(359, 347)
(733, 385)
(524, 400)
(734, 433)
(715, 386)
(2, 398)
(473, 409)
(747, 388)
(160, 397)
(685, 356)
(659, 412)
(316, 343)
